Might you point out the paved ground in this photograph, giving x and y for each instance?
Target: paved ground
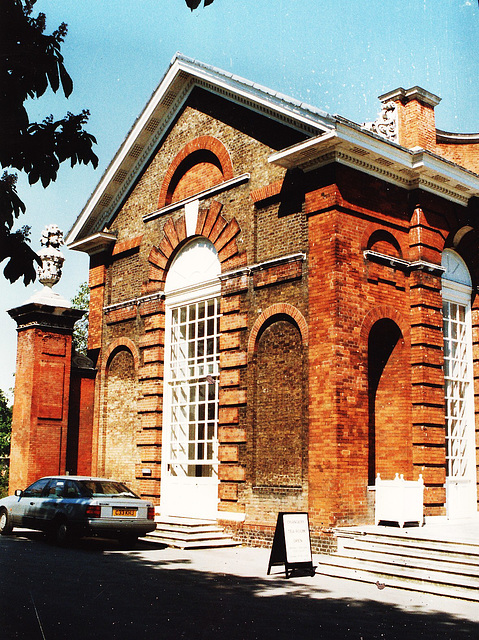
(94, 590)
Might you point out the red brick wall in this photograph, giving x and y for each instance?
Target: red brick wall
(417, 128)
(199, 178)
(40, 413)
(81, 445)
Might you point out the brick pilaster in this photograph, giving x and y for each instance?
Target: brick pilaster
(150, 403)
(427, 376)
(232, 395)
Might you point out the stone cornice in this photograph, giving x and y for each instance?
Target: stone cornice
(133, 302)
(445, 137)
(410, 169)
(259, 266)
(33, 314)
(403, 265)
(95, 243)
(202, 195)
(414, 93)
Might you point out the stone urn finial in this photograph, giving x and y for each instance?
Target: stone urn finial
(52, 258)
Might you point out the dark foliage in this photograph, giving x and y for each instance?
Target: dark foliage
(5, 425)
(194, 4)
(81, 300)
(30, 64)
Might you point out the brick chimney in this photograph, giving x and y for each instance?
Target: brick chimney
(416, 126)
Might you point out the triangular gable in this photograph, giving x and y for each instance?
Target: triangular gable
(183, 75)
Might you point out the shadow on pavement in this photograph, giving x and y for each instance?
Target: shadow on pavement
(93, 590)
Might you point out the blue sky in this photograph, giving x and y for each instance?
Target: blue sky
(338, 55)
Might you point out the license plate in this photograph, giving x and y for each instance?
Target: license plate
(125, 513)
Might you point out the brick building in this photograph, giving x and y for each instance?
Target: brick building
(283, 306)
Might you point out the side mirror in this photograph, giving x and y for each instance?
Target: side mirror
(18, 493)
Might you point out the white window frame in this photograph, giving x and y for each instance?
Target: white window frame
(458, 370)
(206, 371)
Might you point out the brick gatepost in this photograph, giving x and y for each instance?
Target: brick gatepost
(42, 386)
(42, 379)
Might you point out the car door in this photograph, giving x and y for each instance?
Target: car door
(50, 503)
(24, 507)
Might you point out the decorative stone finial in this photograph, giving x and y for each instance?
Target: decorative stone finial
(52, 258)
(386, 124)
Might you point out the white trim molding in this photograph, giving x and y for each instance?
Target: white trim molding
(410, 169)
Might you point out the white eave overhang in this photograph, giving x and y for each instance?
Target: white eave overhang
(411, 169)
(135, 153)
(95, 243)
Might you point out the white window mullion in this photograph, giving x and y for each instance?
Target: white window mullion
(458, 369)
(192, 379)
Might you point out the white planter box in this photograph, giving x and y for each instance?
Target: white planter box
(399, 500)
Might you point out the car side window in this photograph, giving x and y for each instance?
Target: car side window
(55, 489)
(71, 490)
(35, 490)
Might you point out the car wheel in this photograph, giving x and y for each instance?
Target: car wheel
(60, 533)
(6, 526)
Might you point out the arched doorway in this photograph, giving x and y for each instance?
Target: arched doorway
(189, 480)
(461, 487)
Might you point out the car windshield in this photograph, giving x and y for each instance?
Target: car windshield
(106, 489)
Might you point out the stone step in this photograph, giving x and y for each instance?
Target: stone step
(450, 572)
(186, 522)
(389, 575)
(192, 544)
(410, 540)
(355, 546)
(186, 535)
(190, 533)
(193, 530)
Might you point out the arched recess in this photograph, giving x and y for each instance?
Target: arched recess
(382, 241)
(389, 402)
(384, 346)
(277, 309)
(279, 434)
(210, 224)
(376, 238)
(202, 163)
(121, 423)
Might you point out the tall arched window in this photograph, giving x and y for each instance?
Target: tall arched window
(461, 493)
(190, 465)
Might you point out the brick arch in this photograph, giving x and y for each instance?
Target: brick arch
(373, 230)
(117, 345)
(202, 143)
(277, 309)
(384, 242)
(210, 224)
(382, 313)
